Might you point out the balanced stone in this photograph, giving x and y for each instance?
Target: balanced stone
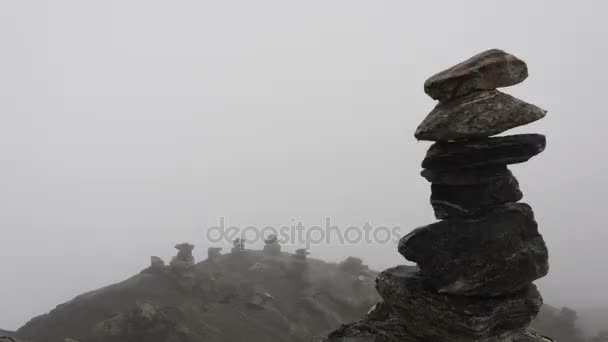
(451, 201)
(469, 176)
(437, 317)
(485, 71)
(496, 254)
(511, 149)
(477, 115)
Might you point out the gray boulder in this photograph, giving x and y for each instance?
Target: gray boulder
(485, 71)
(431, 316)
(494, 255)
(453, 201)
(506, 150)
(477, 115)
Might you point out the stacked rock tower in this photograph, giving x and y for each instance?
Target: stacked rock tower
(476, 265)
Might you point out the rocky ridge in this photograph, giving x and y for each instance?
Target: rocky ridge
(475, 267)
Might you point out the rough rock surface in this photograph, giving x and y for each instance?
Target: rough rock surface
(477, 115)
(432, 316)
(485, 71)
(497, 254)
(450, 201)
(511, 149)
(145, 322)
(470, 176)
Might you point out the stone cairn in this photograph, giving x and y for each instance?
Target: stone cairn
(475, 267)
(214, 253)
(272, 245)
(238, 246)
(182, 266)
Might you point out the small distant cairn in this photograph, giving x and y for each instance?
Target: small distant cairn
(476, 265)
(301, 254)
(182, 266)
(353, 266)
(214, 253)
(272, 246)
(238, 246)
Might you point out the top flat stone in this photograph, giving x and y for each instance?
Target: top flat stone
(485, 71)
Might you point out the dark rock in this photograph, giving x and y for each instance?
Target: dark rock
(477, 115)
(469, 176)
(511, 149)
(450, 201)
(497, 254)
(431, 316)
(485, 71)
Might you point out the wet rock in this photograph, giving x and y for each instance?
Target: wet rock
(497, 254)
(431, 316)
(477, 115)
(511, 149)
(450, 201)
(485, 71)
(469, 176)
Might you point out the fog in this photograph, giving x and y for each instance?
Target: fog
(129, 126)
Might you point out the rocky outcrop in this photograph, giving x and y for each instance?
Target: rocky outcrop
(475, 268)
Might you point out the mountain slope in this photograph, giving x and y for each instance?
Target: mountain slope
(250, 296)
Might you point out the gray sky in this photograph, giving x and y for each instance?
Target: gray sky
(128, 126)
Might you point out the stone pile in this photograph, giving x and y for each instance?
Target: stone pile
(238, 246)
(182, 267)
(272, 245)
(475, 267)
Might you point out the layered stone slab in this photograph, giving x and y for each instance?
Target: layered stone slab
(477, 115)
(513, 149)
(497, 254)
(456, 201)
(467, 176)
(432, 316)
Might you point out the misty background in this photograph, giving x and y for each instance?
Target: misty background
(129, 126)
